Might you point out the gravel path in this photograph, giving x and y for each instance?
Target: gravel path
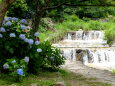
(101, 75)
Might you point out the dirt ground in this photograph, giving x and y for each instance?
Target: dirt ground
(100, 75)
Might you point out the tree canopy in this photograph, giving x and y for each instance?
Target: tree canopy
(36, 9)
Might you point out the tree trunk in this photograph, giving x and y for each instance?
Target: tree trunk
(36, 21)
(3, 9)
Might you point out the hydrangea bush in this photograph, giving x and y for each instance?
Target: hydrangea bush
(22, 52)
(17, 68)
(17, 43)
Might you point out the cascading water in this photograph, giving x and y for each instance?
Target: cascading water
(88, 47)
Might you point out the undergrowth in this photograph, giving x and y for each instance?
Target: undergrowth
(73, 23)
(45, 78)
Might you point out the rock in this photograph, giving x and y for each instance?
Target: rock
(33, 84)
(13, 85)
(59, 84)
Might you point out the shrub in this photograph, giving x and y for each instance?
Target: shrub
(113, 71)
(95, 25)
(52, 57)
(17, 68)
(110, 35)
(16, 41)
(19, 9)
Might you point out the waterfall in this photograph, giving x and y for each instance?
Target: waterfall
(89, 47)
(85, 35)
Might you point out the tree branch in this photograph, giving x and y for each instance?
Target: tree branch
(53, 7)
(78, 5)
(106, 5)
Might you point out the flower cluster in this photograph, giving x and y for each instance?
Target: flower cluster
(18, 30)
(18, 68)
(15, 35)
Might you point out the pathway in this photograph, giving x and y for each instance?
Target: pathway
(101, 75)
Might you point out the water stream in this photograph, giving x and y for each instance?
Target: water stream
(89, 47)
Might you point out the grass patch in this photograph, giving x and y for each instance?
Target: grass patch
(49, 78)
(73, 23)
(113, 71)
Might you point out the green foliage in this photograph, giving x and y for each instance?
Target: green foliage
(96, 25)
(74, 23)
(19, 9)
(40, 56)
(46, 24)
(50, 78)
(49, 32)
(12, 65)
(113, 71)
(60, 10)
(0, 1)
(94, 12)
(17, 42)
(52, 57)
(110, 35)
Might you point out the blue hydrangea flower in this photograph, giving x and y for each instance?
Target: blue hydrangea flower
(12, 35)
(23, 21)
(6, 66)
(26, 59)
(37, 42)
(15, 19)
(14, 61)
(22, 36)
(36, 34)
(30, 41)
(2, 29)
(23, 27)
(1, 35)
(8, 23)
(26, 39)
(20, 72)
(7, 18)
(39, 50)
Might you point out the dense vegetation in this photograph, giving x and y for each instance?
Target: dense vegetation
(73, 22)
(24, 51)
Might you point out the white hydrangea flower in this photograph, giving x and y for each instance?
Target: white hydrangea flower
(30, 41)
(36, 34)
(1, 35)
(12, 35)
(39, 50)
(26, 59)
(37, 42)
(22, 36)
(22, 66)
(6, 66)
(14, 61)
